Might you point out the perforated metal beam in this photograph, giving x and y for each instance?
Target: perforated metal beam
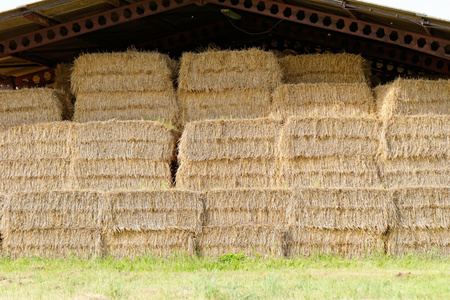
(88, 24)
(37, 79)
(418, 42)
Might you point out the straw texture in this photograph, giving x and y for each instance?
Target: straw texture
(122, 154)
(63, 73)
(323, 100)
(403, 241)
(35, 157)
(414, 97)
(53, 224)
(157, 222)
(30, 106)
(325, 68)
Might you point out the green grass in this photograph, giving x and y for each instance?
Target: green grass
(228, 277)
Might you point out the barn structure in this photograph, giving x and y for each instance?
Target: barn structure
(214, 126)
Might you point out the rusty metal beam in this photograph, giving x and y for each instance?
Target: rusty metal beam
(6, 83)
(88, 24)
(115, 3)
(414, 41)
(44, 78)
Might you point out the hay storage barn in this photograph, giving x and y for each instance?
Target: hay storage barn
(386, 44)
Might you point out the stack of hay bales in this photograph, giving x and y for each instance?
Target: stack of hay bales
(320, 68)
(218, 84)
(52, 224)
(126, 86)
(122, 155)
(424, 221)
(329, 152)
(156, 222)
(323, 85)
(249, 221)
(63, 72)
(346, 222)
(35, 157)
(228, 154)
(413, 97)
(415, 151)
(30, 106)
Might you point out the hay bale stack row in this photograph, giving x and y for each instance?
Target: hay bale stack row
(246, 221)
(413, 97)
(424, 221)
(126, 86)
(323, 100)
(31, 106)
(415, 151)
(35, 157)
(52, 224)
(329, 152)
(218, 84)
(63, 72)
(156, 222)
(122, 155)
(347, 222)
(228, 154)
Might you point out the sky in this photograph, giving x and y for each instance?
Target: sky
(434, 8)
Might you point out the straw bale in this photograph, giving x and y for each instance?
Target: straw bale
(30, 106)
(131, 244)
(2, 202)
(402, 241)
(423, 207)
(323, 100)
(119, 173)
(123, 139)
(154, 211)
(56, 223)
(231, 103)
(224, 173)
(229, 139)
(148, 105)
(248, 239)
(222, 70)
(239, 207)
(144, 71)
(322, 137)
(37, 141)
(325, 68)
(329, 172)
(415, 172)
(63, 72)
(416, 136)
(343, 208)
(414, 97)
(342, 242)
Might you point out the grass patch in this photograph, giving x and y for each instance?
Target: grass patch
(230, 276)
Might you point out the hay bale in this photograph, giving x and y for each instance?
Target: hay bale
(122, 154)
(415, 172)
(323, 100)
(246, 207)
(63, 73)
(416, 137)
(231, 103)
(223, 70)
(53, 224)
(130, 105)
(251, 240)
(30, 106)
(423, 207)
(2, 202)
(35, 157)
(156, 222)
(325, 68)
(144, 71)
(413, 97)
(229, 139)
(227, 173)
(341, 242)
(402, 241)
(324, 137)
(343, 209)
(329, 172)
